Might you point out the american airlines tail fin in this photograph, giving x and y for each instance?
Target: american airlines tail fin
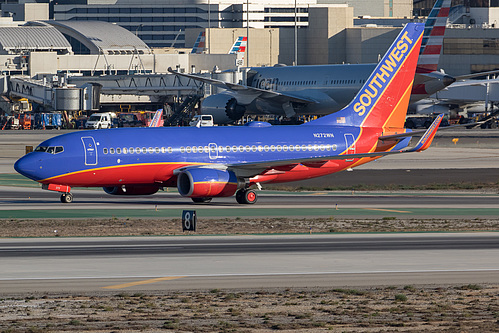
(433, 38)
(200, 44)
(384, 98)
(239, 45)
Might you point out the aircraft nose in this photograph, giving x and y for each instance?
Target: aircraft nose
(28, 166)
(448, 80)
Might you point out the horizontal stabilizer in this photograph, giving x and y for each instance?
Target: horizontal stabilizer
(427, 138)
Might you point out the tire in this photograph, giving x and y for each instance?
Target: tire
(66, 198)
(201, 200)
(246, 197)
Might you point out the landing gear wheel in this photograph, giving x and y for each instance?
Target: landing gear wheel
(66, 198)
(201, 200)
(246, 197)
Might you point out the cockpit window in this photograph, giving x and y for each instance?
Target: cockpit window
(51, 150)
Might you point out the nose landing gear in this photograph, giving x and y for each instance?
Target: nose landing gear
(66, 196)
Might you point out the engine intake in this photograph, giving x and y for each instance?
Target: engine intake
(223, 107)
(204, 182)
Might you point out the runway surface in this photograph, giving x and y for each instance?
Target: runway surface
(172, 263)
(37, 203)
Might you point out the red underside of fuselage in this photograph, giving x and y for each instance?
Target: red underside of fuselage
(162, 174)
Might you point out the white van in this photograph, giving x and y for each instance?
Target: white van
(202, 120)
(100, 120)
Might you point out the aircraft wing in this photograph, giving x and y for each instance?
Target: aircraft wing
(423, 144)
(242, 89)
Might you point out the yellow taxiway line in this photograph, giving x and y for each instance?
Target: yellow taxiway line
(138, 283)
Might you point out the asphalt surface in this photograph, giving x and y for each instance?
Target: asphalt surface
(172, 263)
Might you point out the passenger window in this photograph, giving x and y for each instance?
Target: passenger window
(188, 149)
(182, 149)
(137, 150)
(194, 149)
(156, 150)
(125, 150)
(105, 151)
(170, 150)
(144, 150)
(131, 150)
(111, 150)
(118, 150)
(150, 150)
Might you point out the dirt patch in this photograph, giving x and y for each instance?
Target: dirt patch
(147, 227)
(468, 308)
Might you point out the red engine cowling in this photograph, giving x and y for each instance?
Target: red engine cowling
(207, 183)
(131, 190)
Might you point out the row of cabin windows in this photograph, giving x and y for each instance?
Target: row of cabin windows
(221, 149)
(294, 83)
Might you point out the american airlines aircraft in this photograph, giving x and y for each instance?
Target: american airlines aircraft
(208, 162)
(318, 90)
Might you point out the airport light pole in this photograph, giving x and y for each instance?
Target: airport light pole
(209, 26)
(247, 33)
(296, 38)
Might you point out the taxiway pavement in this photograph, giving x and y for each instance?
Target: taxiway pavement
(172, 263)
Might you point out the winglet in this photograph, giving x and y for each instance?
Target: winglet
(427, 138)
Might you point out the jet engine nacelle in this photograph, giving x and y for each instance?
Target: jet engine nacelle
(131, 190)
(223, 107)
(207, 183)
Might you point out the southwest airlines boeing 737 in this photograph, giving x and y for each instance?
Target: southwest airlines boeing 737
(209, 162)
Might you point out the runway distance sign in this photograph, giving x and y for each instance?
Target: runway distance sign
(189, 220)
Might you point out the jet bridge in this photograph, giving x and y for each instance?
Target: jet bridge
(75, 93)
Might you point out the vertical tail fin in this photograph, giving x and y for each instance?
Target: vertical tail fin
(239, 45)
(433, 37)
(199, 45)
(156, 120)
(384, 98)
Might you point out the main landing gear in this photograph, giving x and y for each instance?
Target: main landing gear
(66, 198)
(201, 200)
(246, 196)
